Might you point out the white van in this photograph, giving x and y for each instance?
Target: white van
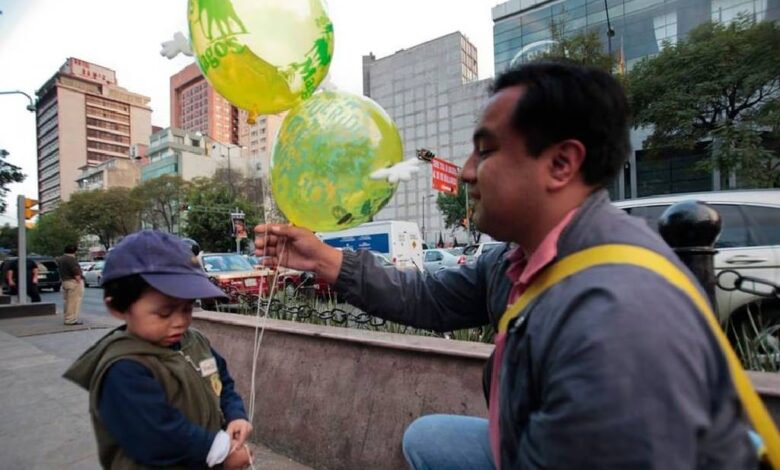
(399, 241)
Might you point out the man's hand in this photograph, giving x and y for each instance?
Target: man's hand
(238, 430)
(238, 459)
(297, 248)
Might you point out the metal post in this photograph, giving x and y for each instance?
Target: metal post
(423, 218)
(21, 265)
(691, 228)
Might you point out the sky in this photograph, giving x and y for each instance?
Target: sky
(37, 36)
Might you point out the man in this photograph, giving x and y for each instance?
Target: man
(613, 367)
(72, 284)
(12, 279)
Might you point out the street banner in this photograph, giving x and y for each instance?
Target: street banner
(239, 225)
(445, 176)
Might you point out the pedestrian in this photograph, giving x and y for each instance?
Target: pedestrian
(613, 366)
(160, 395)
(72, 284)
(12, 278)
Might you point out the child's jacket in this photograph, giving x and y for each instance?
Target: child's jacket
(189, 377)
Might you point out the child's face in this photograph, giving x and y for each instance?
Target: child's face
(157, 318)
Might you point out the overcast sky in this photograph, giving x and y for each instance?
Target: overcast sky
(36, 36)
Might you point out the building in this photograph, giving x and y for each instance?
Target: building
(114, 173)
(640, 29)
(433, 94)
(190, 155)
(84, 119)
(197, 107)
(258, 138)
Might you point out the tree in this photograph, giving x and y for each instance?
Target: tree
(52, 233)
(9, 237)
(719, 88)
(210, 203)
(107, 214)
(454, 210)
(162, 198)
(9, 173)
(584, 48)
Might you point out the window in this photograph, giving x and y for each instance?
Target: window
(734, 229)
(650, 214)
(766, 222)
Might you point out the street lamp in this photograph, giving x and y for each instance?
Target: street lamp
(30, 107)
(199, 135)
(427, 196)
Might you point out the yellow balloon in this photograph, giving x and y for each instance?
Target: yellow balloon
(262, 55)
(323, 156)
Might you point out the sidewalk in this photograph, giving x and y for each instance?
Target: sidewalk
(44, 419)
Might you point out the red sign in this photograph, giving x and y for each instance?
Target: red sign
(445, 176)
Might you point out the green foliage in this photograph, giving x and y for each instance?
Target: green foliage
(52, 233)
(161, 200)
(9, 237)
(453, 207)
(583, 48)
(107, 214)
(210, 203)
(9, 173)
(720, 86)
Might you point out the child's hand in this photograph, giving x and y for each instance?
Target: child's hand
(238, 430)
(238, 459)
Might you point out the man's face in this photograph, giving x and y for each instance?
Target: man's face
(158, 318)
(506, 183)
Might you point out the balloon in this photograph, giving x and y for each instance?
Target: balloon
(326, 149)
(529, 52)
(262, 55)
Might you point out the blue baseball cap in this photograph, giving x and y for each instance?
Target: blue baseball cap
(164, 261)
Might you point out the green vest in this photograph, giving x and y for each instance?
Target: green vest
(179, 372)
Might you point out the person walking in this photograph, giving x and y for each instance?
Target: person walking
(72, 284)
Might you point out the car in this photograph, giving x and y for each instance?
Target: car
(472, 252)
(93, 275)
(749, 242)
(436, 259)
(85, 265)
(48, 272)
(456, 250)
(235, 275)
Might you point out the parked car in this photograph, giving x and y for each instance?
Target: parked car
(749, 242)
(93, 275)
(236, 276)
(437, 259)
(48, 272)
(472, 252)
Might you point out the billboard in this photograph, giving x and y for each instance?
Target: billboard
(444, 176)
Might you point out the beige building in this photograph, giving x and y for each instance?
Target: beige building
(84, 119)
(258, 139)
(114, 173)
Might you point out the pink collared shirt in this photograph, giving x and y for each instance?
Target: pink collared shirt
(521, 272)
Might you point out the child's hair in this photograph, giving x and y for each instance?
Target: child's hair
(124, 291)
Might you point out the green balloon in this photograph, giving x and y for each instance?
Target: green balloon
(324, 154)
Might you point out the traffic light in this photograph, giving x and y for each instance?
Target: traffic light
(29, 212)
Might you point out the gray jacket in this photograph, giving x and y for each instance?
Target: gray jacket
(611, 368)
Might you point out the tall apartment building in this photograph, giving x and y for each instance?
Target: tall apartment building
(640, 27)
(258, 139)
(84, 119)
(197, 107)
(433, 94)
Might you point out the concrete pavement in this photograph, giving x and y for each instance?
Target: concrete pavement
(44, 419)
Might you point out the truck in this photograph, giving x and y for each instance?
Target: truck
(399, 241)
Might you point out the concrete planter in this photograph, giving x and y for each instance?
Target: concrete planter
(338, 398)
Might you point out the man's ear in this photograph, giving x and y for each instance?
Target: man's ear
(114, 313)
(566, 160)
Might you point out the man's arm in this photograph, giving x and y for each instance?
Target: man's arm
(450, 300)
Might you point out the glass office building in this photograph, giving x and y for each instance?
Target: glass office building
(641, 27)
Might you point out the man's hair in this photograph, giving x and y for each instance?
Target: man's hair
(125, 291)
(71, 249)
(570, 101)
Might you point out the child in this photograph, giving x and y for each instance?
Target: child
(159, 395)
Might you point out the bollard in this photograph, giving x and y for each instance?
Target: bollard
(691, 228)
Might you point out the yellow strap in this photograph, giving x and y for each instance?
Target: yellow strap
(647, 259)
